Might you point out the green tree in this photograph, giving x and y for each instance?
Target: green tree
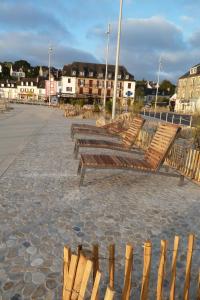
(22, 64)
(167, 86)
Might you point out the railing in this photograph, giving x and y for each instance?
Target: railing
(170, 117)
(185, 160)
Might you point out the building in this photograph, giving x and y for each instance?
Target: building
(87, 80)
(51, 87)
(8, 89)
(188, 91)
(17, 74)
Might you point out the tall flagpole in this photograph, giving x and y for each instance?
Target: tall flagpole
(117, 60)
(106, 73)
(49, 52)
(158, 81)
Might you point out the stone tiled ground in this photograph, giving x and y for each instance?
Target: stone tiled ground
(42, 207)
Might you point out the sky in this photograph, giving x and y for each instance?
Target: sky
(76, 31)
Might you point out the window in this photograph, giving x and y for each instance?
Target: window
(193, 70)
(69, 89)
(90, 90)
(2, 85)
(127, 76)
(100, 75)
(90, 83)
(31, 83)
(81, 90)
(110, 75)
(22, 83)
(12, 85)
(108, 93)
(21, 90)
(99, 92)
(129, 85)
(90, 74)
(8, 85)
(26, 83)
(119, 76)
(81, 73)
(74, 73)
(69, 80)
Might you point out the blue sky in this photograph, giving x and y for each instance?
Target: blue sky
(76, 30)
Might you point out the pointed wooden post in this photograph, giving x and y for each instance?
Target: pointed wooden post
(111, 265)
(173, 274)
(161, 270)
(198, 287)
(128, 272)
(95, 288)
(188, 267)
(146, 271)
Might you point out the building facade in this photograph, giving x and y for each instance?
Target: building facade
(87, 80)
(188, 91)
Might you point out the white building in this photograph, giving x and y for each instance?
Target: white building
(8, 89)
(129, 89)
(68, 85)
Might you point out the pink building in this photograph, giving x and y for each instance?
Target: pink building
(51, 89)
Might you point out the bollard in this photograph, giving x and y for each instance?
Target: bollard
(166, 116)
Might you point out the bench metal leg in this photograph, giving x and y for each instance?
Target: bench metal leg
(82, 176)
(181, 180)
(79, 168)
(76, 151)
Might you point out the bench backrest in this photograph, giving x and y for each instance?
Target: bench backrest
(133, 131)
(161, 144)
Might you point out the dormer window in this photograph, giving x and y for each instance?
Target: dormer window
(31, 83)
(127, 76)
(8, 85)
(81, 73)
(90, 74)
(110, 75)
(2, 85)
(12, 85)
(119, 76)
(193, 70)
(22, 83)
(27, 83)
(100, 75)
(74, 73)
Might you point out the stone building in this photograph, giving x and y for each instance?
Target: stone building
(87, 80)
(188, 91)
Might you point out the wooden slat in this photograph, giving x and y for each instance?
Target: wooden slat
(95, 253)
(69, 280)
(173, 272)
(188, 267)
(85, 279)
(66, 263)
(128, 272)
(79, 276)
(146, 271)
(111, 265)
(109, 294)
(94, 295)
(161, 270)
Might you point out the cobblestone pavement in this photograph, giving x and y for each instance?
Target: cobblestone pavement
(42, 207)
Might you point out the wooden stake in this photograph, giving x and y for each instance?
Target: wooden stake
(69, 279)
(173, 274)
(161, 270)
(79, 277)
(85, 279)
(111, 265)
(66, 263)
(146, 271)
(188, 267)
(198, 287)
(95, 288)
(128, 272)
(109, 294)
(95, 250)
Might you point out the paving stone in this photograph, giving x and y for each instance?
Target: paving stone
(28, 290)
(39, 292)
(8, 285)
(37, 262)
(51, 284)
(38, 278)
(31, 250)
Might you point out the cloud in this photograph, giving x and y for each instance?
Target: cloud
(187, 18)
(142, 43)
(34, 48)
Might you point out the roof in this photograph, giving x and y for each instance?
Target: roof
(96, 69)
(187, 74)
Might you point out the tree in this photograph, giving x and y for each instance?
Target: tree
(22, 64)
(167, 86)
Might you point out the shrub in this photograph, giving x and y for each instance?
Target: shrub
(109, 106)
(96, 108)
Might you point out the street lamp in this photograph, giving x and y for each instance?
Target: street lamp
(117, 60)
(50, 52)
(158, 81)
(106, 73)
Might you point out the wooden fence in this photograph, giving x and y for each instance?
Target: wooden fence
(185, 160)
(148, 289)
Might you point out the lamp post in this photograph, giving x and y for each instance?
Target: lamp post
(117, 60)
(158, 81)
(49, 52)
(106, 73)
